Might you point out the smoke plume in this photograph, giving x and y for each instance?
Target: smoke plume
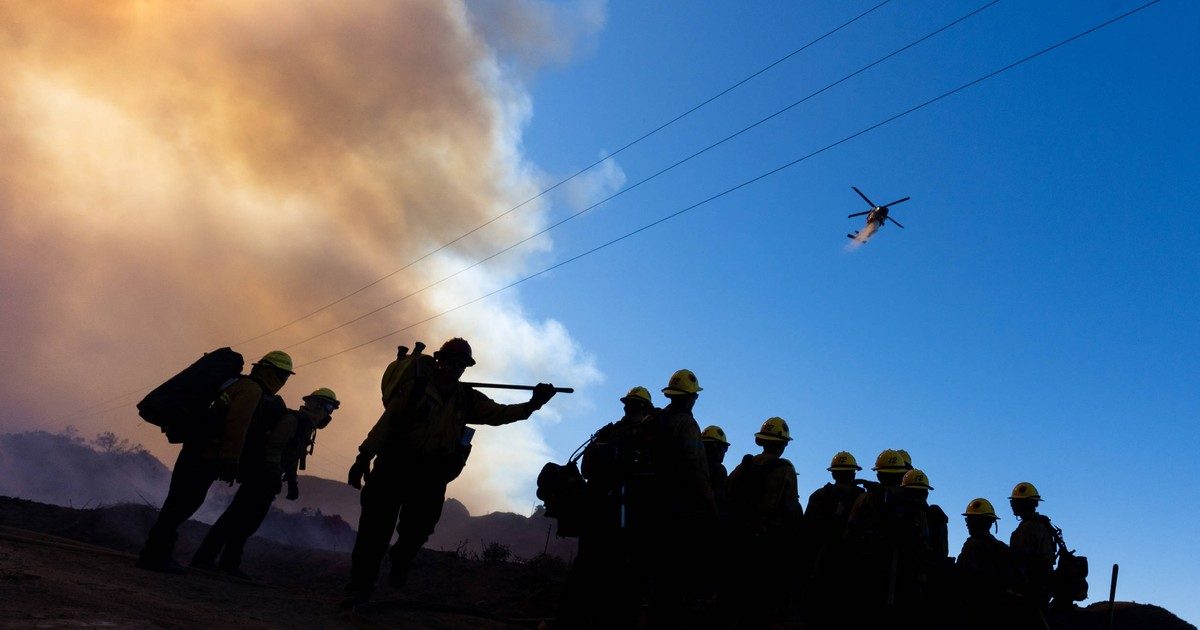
(181, 176)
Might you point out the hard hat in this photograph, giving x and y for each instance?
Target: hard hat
(906, 457)
(682, 382)
(844, 461)
(981, 507)
(638, 393)
(915, 479)
(774, 430)
(456, 349)
(714, 433)
(889, 461)
(326, 394)
(1025, 490)
(277, 359)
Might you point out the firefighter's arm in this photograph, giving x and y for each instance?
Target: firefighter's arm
(244, 397)
(484, 410)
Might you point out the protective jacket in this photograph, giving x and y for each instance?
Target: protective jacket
(763, 498)
(1033, 551)
(829, 509)
(680, 485)
(423, 425)
(985, 562)
(247, 400)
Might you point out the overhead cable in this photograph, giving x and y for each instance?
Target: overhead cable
(747, 182)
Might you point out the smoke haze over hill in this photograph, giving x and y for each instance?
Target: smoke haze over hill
(184, 176)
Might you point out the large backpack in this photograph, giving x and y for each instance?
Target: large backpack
(1069, 581)
(746, 491)
(405, 368)
(179, 405)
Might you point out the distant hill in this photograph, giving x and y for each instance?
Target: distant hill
(65, 469)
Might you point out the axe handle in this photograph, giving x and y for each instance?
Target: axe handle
(528, 388)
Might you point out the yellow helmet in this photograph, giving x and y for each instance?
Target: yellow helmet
(1025, 490)
(714, 433)
(906, 457)
(326, 394)
(638, 393)
(981, 507)
(774, 430)
(889, 461)
(915, 479)
(682, 382)
(844, 461)
(277, 359)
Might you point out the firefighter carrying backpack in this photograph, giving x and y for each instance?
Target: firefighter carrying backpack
(179, 406)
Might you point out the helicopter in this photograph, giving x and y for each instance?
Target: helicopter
(876, 217)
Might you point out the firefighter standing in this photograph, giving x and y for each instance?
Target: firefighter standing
(1032, 545)
(418, 446)
(829, 558)
(213, 453)
(269, 456)
(715, 446)
(765, 524)
(678, 502)
(603, 589)
(984, 568)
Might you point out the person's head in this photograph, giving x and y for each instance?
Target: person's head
(844, 468)
(453, 358)
(715, 443)
(683, 390)
(773, 436)
(980, 516)
(272, 370)
(906, 458)
(319, 405)
(637, 402)
(889, 468)
(916, 483)
(1024, 499)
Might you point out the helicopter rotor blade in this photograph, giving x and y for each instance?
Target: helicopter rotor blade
(896, 202)
(858, 214)
(860, 194)
(896, 222)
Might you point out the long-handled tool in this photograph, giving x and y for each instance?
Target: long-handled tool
(528, 388)
(1112, 599)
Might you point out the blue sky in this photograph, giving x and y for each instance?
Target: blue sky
(1037, 320)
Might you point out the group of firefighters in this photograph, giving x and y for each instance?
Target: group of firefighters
(666, 537)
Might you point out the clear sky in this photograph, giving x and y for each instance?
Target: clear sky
(177, 177)
(1036, 320)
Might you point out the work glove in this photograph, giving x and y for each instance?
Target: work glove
(542, 393)
(360, 471)
(293, 490)
(227, 470)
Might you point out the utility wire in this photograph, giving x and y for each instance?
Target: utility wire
(749, 181)
(644, 180)
(581, 171)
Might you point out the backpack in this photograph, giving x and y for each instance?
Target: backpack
(745, 493)
(179, 405)
(405, 368)
(564, 492)
(1069, 580)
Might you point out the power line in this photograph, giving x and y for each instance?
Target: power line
(644, 180)
(749, 181)
(581, 171)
